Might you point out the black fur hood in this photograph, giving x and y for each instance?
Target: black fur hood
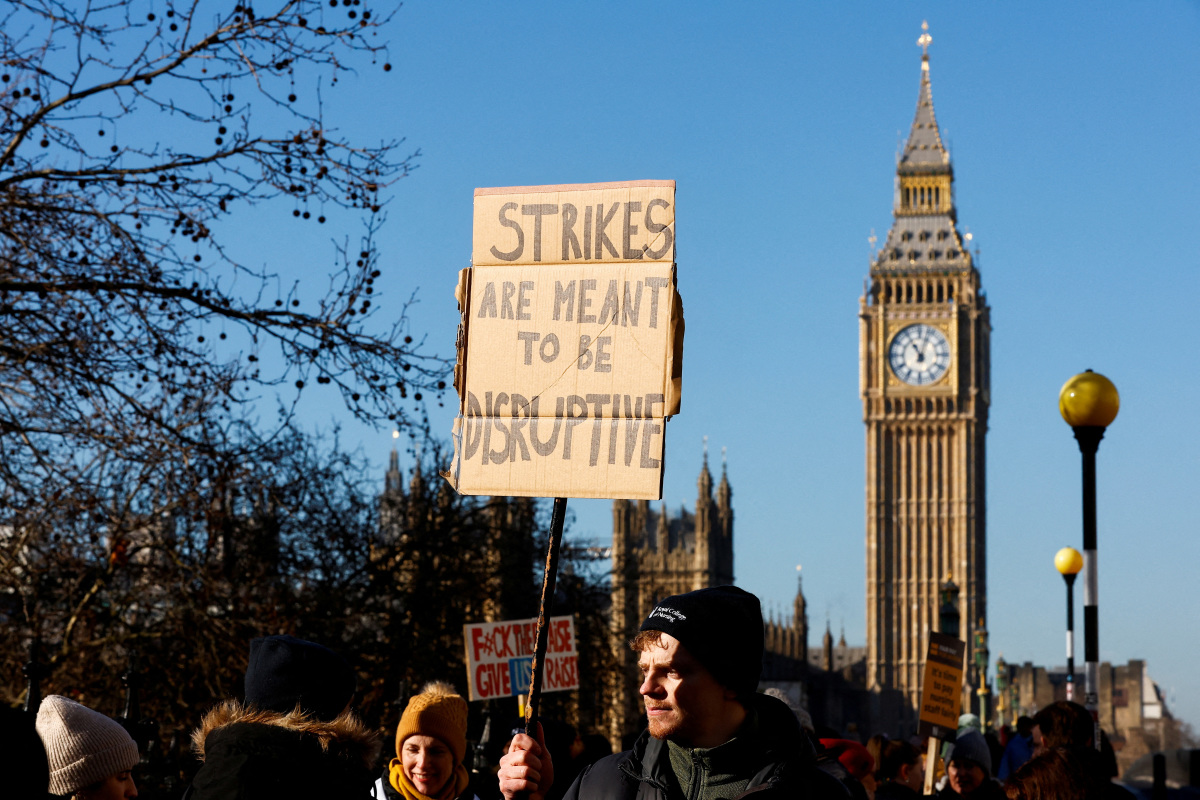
(249, 753)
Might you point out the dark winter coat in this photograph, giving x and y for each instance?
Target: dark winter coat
(265, 755)
(891, 790)
(783, 769)
(988, 790)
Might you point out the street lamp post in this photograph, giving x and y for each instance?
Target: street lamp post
(981, 665)
(948, 613)
(1089, 403)
(1068, 562)
(1001, 690)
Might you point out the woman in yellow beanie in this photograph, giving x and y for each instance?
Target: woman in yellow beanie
(431, 745)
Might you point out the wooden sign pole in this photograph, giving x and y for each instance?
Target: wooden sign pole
(544, 609)
(930, 763)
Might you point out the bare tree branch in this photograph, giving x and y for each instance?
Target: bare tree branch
(130, 134)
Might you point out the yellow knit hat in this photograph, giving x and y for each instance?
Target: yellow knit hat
(440, 712)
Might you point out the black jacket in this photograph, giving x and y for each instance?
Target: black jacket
(988, 790)
(891, 790)
(264, 755)
(783, 770)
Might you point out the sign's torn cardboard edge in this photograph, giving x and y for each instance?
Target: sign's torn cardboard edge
(573, 187)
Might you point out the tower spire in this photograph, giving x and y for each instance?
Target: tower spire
(923, 236)
(391, 481)
(705, 482)
(724, 492)
(800, 605)
(924, 148)
(416, 486)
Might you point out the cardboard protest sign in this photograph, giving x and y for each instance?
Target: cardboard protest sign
(500, 655)
(568, 370)
(941, 691)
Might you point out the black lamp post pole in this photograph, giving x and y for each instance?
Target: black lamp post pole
(1089, 437)
(1070, 580)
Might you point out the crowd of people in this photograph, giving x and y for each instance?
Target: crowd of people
(710, 735)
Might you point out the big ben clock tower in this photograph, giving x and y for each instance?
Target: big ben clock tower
(924, 363)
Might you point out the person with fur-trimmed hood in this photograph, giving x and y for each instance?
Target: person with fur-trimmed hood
(710, 735)
(431, 748)
(295, 736)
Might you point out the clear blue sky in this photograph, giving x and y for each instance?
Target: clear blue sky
(1074, 129)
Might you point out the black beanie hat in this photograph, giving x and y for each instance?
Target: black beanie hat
(722, 627)
(285, 672)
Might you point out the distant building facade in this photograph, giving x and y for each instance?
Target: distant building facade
(1132, 709)
(654, 555)
(657, 553)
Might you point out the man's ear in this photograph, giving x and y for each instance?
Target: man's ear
(902, 775)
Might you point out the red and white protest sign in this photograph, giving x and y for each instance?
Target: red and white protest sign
(500, 657)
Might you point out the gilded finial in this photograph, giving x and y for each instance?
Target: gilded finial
(924, 39)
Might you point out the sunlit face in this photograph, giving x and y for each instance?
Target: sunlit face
(114, 787)
(428, 763)
(683, 699)
(965, 776)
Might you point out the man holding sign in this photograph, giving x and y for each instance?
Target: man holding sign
(570, 353)
(710, 735)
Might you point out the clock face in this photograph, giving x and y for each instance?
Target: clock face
(919, 355)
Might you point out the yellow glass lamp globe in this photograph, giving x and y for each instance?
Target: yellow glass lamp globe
(1068, 561)
(1089, 399)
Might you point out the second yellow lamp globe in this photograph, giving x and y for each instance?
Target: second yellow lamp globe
(1089, 399)
(1068, 561)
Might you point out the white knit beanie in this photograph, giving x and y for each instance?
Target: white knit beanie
(83, 746)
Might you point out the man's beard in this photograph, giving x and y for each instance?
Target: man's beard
(661, 728)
